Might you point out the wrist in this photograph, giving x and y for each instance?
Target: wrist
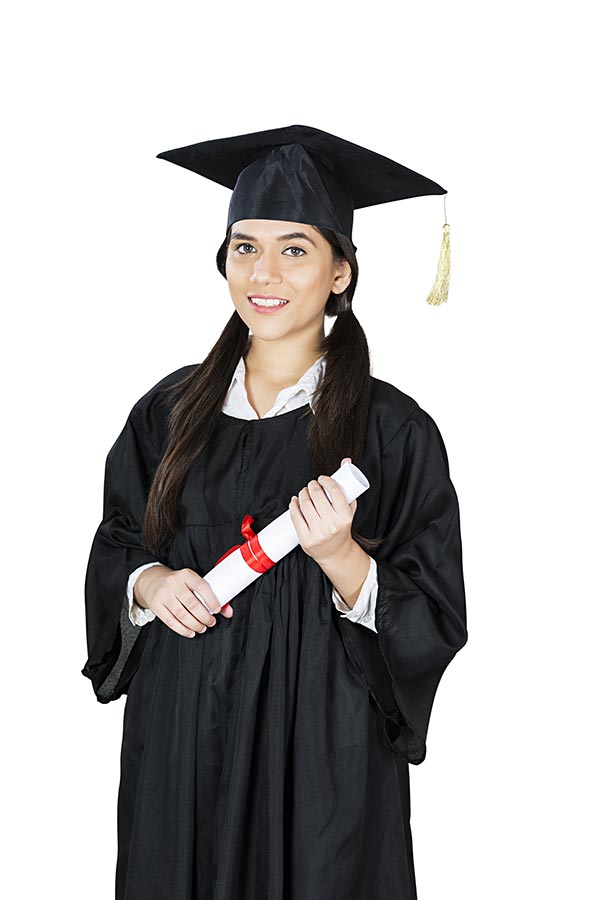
(347, 571)
(142, 582)
(345, 555)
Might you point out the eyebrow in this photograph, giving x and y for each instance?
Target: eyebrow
(240, 235)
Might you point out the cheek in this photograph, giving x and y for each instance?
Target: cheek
(312, 287)
(242, 307)
(237, 275)
(235, 284)
(231, 267)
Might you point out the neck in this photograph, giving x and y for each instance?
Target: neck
(280, 360)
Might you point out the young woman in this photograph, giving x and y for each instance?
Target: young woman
(266, 743)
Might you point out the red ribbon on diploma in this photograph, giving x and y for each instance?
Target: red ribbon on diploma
(252, 553)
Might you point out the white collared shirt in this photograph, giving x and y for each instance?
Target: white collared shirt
(237, 405)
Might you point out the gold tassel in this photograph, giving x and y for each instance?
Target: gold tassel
(439, 291)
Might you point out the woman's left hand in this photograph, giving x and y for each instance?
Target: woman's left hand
(323, 526)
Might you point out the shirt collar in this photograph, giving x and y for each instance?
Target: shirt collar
(308, 381)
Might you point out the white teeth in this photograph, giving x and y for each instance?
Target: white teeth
(260, 302)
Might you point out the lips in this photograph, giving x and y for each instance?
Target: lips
(268, 308)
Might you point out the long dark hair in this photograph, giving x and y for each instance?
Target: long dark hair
(338, 422)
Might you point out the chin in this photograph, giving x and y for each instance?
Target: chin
(268, 331)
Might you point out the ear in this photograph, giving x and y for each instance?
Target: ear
(342, 277)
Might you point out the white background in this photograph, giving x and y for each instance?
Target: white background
(109, 283)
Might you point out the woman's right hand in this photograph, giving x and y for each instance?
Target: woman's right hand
(169, 594)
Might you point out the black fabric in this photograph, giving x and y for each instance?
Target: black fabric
(300, 174)
(267, 759)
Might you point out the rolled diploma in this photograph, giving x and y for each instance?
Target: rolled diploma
(230, 576)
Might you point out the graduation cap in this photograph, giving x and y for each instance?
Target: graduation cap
(302, 174)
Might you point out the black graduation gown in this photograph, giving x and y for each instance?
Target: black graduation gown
(267, 758)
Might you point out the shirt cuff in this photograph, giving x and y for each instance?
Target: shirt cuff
(363, 610)
(138, 615)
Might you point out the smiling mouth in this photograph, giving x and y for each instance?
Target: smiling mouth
(267, 303)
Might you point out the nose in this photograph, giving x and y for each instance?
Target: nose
(266, 268)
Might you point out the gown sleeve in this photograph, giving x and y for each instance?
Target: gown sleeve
(420, 614)
(114, 644)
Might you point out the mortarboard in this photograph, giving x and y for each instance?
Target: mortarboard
(302, 174)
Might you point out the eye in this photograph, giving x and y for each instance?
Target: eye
(239, 246)
(301, 249)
